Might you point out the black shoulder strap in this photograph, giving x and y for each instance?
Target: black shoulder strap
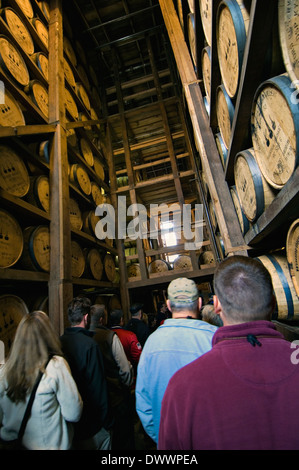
(30, 402)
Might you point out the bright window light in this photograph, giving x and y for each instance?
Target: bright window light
(168, 237)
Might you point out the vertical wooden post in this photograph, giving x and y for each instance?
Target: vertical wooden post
(60, 282)
(171, 152)
(127, 149)
(124, 295)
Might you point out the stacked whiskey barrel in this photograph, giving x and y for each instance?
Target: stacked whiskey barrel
(264, 168)
(25, 189)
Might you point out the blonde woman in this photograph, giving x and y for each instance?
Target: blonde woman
(57, 402)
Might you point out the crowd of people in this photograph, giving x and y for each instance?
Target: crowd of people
(214, 377)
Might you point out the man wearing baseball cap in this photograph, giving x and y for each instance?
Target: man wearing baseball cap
(180, 340)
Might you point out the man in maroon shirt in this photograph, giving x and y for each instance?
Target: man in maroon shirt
(243, 393)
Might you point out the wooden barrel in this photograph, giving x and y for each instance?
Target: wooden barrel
(206, 69)
(102, 300)
(220, 245)
(94, 77)
(180, 12)
(206, 8)
(205, 186)
(205, 259)
(19, 30)
(130, 254)
(288, 12)
(14, 177)
(76, 220)
(79, 177)
(39, 192)
(11, 239)
(11, 113)
(158, 266)
(44, 6)
(212, 213)
(225, 111)
(222, 149)
(82, 94)
(12, 310)
(41, 303)
(133, 270)
(81, 52)
(93, 263)
(77, 259)
(86, 151)
(26, 7)
(182, 263)
(42, 31)
(96, 194)
(109, 267)
(67, 27)
(69, 51)
(83, 117)
(191, 5)
(287, 301)
(96, 98)
(122, 181)
(70, 105)
(95, 117)
(39, 95)
(12, 63)
(44, 151)
(243, 221)
(207, 105)
(292, 250)
(90, 221)
(114, 303)
(68, 73)
(107, 199)
(275, 130)
(83, 76)
(99, 168)
(191, 36)
(42, 61)
(71, 135)
(231, 29)
(254, 192)
(36, 251)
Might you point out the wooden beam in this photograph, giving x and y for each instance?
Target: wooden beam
(119, 243)
(166, 277)
(27, 130)
(150, 143)
(168, 136)
(136, 82)
(211, 163)
(127, 151)
(156, 181)
(153, 163)
(60, 283)
(139, 109)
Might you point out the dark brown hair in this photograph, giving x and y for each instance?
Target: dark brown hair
(244, 288)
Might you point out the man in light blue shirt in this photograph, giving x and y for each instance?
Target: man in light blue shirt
(180, 340)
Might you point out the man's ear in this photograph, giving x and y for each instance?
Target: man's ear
(86, 318)
(217, 305)
(199, 303)
(168, 304)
